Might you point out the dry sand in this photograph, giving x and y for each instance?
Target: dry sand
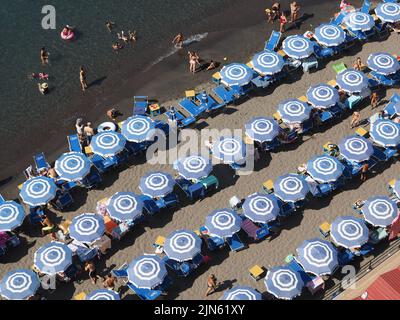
(228, 266)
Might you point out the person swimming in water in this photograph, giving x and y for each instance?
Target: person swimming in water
(132, 35)
(44, 56)
(109, 25)
(117, 46)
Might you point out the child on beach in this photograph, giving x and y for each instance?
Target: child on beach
(283, 21)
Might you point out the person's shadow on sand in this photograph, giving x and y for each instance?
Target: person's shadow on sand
(97, 82)
(225, 285)
(297, 24)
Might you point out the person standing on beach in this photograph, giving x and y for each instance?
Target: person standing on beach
(44, 56)
(89, 132)
(212, 284)
(178, 41)
(79, 126)
(294, 11)
(355, 120)
(364, 171)
(374, 100)
(82, 78)
(283, 21)
(91, 268)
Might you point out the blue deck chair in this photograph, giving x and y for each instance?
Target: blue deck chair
(40, 162)
(390, 153)
(262, 82)
(193, 191)
(144, 294)
(241, 91)
(234, 243)
(273, 41)
(386, 81)
(366, 7)
(339, 19)
(325, 189)
(171, 200)
(36, 215)
(198, 260)
(73, 143)
(191, 108)
(2, 200)
(225, 94)
(93, 179)
(336, 110)
(121, 272)
(287, 208)
(63, 200)
(345, 257)
(296, 267)
(326, 116)
(214, 243)
(379, 154)
(140, 104)
(307, 126)
(324, 53)
(103, 164)
(150, 205)
(208, 103)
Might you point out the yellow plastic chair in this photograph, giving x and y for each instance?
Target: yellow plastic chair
(282, 53)
(332, 83)
(268, 186)
(120, 124)
(362, 132)
(80, 296)
(392, 183)
(216, 77)
(277, 116)
(160, 241)
(303, 99)
(250, 64)
(325, 229)
(20, 186)
(88, 150)
(256, 272)
(190, 93)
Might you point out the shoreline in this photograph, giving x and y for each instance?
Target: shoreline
(173, 77)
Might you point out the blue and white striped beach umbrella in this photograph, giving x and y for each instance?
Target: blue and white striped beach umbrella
(380, 211)
(194, 167)
(103, 294)
(383, 63)
(236, 74)
(317, 256)
(349, 232)
(147, 271)
(223, 223)
(291, 188)
(268, 63)
(73, 166)
(352, 81)
(157, 184)
(298, 47)
(182, 245)
(108, 143)
(12, 215)
(385, 133)
(229, 150)
(359, 21)
(242, 293)
(323, 96)
(396, 108)
(262, 129)
(87, 228)
(294, 111)
(388, 12)
(284, 283)
(324, 168)
(261, 208)
(396, 188)
(52, 258)
(356, 149)
(38, 191)
(125, 206)
(19, 284)
(138, 129)
(329, 35)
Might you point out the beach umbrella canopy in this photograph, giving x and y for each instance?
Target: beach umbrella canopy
(317, 256)
(223, 223)
(236, 74)
(359, 21)
(323, 96)
(182, 245)
(324, 168)
(73, 166)
(268, 63)
(261, 208)
(125, 206)
(356, 148)
(138, 129)
(396, 188)
(396, 108)
(380, 211)
(383, 63)
(352, 81)
(242, 293)
(294, 111)
(388, 12)
(262, 129)
(229, 150)
(52, 258)
(19, 284)
(38, 191)
(103, 294)
(291, 188)
(385, 133)
(349, 232)
(147, 271)
(87, 227)
(329, 35)
(12, 215)
(298, 47)
(157, 184)
(284, 283)
(108, 143)
(194, 167)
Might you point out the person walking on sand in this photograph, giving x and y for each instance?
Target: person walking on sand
(355, 119)
(374, 100)
(79, 126)
(91, 268)
(82, 79)
(44, 56)
(178, 41)
(294, 11)
(364, 171)
(212, 284)
(89, 132)
(358, 64)
(282, 21)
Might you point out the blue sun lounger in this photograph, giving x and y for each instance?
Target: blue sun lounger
(149, 204)
(140, 104)
(93, 179)
(235, 243)
(339, 19)
(2, 200)
(40, 162)
(296, 267)
(262, 82)
(121, 272)
(63, 200)
(208, 102)
(273, 41)
(225, 94)
(383, 80)
(144, 294)
(193, 191)
(345, 257)
(366, 7)
(214, 243)
(103, 164)
(191, 108)
(73, 143)
(287, 208)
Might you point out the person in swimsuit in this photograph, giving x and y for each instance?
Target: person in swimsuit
(110, 25)
(110, 282)
(82, 79)
(91, 268)
(44, 56)
(178, 41)
(212, 285)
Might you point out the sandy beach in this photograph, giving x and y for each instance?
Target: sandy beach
(230, 268)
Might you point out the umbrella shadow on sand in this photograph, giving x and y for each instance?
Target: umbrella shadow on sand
(16, 254)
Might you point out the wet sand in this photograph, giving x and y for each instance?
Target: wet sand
(229, 267)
